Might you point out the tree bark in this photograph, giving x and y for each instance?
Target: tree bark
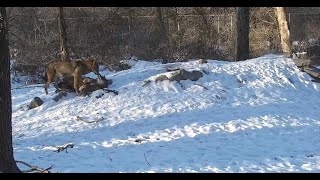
(283, 30)
(163, 31)
(202, 13)
(63, 36)
(242, 34)
(176, 30)
(7, 162)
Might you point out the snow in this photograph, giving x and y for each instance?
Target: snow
(259, 115)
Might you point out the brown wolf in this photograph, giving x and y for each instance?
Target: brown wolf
(87, 85)
(75, 69)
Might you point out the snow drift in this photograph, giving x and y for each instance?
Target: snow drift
(259, 115)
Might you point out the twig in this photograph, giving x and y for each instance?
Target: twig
(41, 155)
(34, 168)
(94, 121)
(61, 148)
(21, 87)
(64, 147)
(205, 71)
(201, 86)
(76, 133)
(146, 159)
(46, 155)
(182, 86)
(113, 91)
(146, 83)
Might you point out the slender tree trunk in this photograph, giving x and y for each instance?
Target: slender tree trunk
(176, 40)
(242, 34)
(283, 29)
(63, 36)
(202, 13)
(163, 31)
(7, 162)
(163, 48)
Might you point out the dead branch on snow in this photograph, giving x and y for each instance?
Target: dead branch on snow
(34, 168)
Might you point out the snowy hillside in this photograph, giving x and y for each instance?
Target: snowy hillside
(260, 115)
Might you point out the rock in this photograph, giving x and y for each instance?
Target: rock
(313, 72)
(59, 96)
(36, 102)
(300, 62)
(202, 61)
(123, 66)
(164, 61)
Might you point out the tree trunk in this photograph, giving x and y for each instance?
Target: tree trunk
(163, 31)
(63, 36)
(206, 28)
(7, 162)
(176, 30)
(162, 41)
(242, 34)
(283, 29)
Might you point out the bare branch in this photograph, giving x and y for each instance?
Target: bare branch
(34, 168)
(146, 159)
(94, 121)
(64, 147)
(22, 87)
(201, 86)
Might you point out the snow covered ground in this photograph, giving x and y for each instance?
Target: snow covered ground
(260, 115)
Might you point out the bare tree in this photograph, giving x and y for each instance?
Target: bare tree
(112, 33)
(7, 162)
(283, 30)
(242, 34)
(63, 36)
